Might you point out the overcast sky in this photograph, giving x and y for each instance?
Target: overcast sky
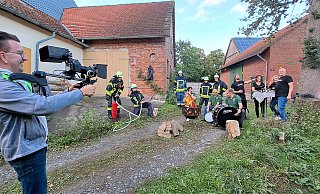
(208, 24)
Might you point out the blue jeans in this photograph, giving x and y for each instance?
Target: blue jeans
(31, 171)
(273, 104)
(180, 97)
(205, 110)
(282, 102)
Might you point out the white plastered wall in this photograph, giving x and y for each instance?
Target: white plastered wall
(29, 34)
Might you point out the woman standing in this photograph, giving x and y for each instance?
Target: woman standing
(274, 100)
(259, 86)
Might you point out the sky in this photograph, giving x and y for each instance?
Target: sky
(208, 24)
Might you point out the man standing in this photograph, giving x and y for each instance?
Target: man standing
(180, 86)
(283, 92)
(205, 92)
(113, 91)
(219, 85)
(23, 127)
(233, 100)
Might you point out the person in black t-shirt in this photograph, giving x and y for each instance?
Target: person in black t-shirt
(283, 90)
(238, 86)
(259, 86)
(274, 100)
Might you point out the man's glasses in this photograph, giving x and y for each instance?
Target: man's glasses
(21, 53)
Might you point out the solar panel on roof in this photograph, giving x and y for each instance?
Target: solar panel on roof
(244, 43)
(50, 7)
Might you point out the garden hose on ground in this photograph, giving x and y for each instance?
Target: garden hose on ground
(127, 123)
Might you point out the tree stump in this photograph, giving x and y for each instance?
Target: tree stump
(169, 129)
(281, 137)
(232, 129)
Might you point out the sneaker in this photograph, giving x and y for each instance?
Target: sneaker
(277, 118)
(188, 119)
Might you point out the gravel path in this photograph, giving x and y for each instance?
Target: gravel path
(126, 177)
(72, 156)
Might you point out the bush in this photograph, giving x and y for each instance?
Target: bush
(73, 131)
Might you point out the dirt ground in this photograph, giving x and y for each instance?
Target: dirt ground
(123, 161)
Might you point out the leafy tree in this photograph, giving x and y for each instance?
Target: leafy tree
(213, 61)
(194, 63)
(265, 15)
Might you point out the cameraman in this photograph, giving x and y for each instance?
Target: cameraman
(23, 126)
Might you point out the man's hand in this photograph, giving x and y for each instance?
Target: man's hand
(74, 87)
(289, 97)
(208, 109)
(238, 112)
(88, 90)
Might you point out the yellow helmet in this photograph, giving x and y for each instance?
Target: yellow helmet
(119, 74)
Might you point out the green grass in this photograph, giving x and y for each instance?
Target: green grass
(256, 162)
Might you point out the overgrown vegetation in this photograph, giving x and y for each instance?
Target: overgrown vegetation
(74, 131)
(152, 85)
(256, 162)
(311, 53)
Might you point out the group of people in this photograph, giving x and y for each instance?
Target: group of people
(218, 94)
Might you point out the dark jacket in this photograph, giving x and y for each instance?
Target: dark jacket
(115, 86)
(220, 86)
(136, 98)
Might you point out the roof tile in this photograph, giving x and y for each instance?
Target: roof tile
(115, 21)
(265, 43)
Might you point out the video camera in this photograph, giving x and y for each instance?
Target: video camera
(74, 70)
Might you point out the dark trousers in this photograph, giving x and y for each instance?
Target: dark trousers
(110, 99)
(147, 105)
(242, 117)
(261, 105)
(203, 100)
(31, 171)
(273, 105)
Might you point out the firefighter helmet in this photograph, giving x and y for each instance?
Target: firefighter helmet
(119, 74)
(206, 78)
(133, 86)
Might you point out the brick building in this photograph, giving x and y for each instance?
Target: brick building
(128, 37)
(265, 57)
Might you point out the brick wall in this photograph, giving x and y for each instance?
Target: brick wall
(142, 53)
(286, 53)
(225, 76)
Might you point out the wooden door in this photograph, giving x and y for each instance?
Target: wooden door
(117, 60)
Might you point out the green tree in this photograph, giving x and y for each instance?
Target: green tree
(213, 61)
(194, 63)
(191, 60)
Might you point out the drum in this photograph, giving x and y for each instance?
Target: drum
(226, 113)
(209, 117)
(190, 112)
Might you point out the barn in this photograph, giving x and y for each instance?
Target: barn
(266, 55)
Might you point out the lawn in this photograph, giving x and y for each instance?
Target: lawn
(256, 162)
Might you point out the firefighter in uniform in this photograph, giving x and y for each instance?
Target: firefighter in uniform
(205, 92)
(113, 91)
(180, 86)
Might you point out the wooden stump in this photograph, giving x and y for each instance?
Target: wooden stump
(169, 129)
(281, 137)
(232, 129)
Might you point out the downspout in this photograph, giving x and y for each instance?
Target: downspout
(37, 49)
(266, 68)
(265, 85)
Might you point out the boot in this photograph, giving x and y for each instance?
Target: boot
(109, 114)
(118, 113)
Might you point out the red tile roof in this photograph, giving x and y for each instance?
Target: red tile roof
(26, 12)
(264, 44)
(141, 20)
